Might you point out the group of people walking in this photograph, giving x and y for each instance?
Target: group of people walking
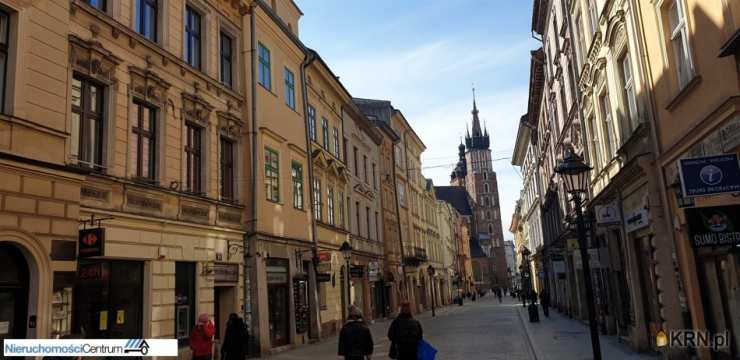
(235, 339)
(405, 333)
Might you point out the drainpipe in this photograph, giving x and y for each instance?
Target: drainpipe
(315, 331)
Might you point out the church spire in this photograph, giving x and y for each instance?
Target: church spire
(476, 121)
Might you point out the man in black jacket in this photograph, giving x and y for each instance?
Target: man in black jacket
(355, 340)
(405, 333)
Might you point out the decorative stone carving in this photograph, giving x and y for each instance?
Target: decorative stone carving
(91, 59)
(229, 124)
(195, 108)
(148, 86)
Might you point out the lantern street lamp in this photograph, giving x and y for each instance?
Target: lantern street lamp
(346, 250)
(526, 275)
(574, 173)
(431, 271)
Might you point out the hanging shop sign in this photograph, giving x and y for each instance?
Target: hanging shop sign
(714, 226)
(324, 256)
(635, 220)
(91, 242)
(710, 175)
(226, 272)
(608, 214)
(373, 271)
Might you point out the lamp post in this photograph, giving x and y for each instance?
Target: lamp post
(574, 173)
(431, 271)
(346, 250)
(525, 275)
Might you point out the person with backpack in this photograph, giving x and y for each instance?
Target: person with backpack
(236, 339)
(405, 333)
(355, 339)
(201, 338)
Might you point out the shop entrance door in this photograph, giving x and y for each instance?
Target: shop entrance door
(721, 289)
(643, 249)
(277, 297)
(13, 293)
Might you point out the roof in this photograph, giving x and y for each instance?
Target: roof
(539, 14)
(456, 196)
(383, 110)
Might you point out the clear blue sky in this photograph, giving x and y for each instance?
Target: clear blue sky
(424, 56)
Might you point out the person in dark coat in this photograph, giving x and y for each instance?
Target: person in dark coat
(236, 339)
(533, 296)
(405, 333)
(355, 339)
(545, 302)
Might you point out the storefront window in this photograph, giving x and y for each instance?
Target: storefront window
(108, 299)
(184, 301)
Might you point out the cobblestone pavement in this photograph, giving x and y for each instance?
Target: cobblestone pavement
(483, 329)
(487, 330)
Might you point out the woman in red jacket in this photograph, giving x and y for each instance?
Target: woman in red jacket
(201, 338)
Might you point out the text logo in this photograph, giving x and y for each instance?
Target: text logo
(689, 338)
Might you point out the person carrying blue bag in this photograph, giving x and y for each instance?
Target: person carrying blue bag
(405, 334)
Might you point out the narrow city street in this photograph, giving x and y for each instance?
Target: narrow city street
(486, 329)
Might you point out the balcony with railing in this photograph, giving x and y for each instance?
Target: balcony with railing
(414, 255)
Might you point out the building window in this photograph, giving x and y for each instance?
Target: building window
(367, 222)
(227, 59)
(289, 88)
(488, 215)
(312, 123)
(335, 136)
(485, 175)
(184, 301)
(680, 41)
(144, 144)
(606, 117)
(87, 123)
(377, 226)
(341, 209)
(317, 199)
(272, 175)
(364, 167)
(146, 18)
(490, 229)
(401, 195)
(192, 37)
(264, 67)
(486, 188)
(594, 16)
(629, 92)
(4, 55)
(375, 181)
(325, 133)
(98, 4)
(330, 205)
(594, 148)
(354, 149)
(227, 169)
(357, 217)
(296, 170)
(193, 158)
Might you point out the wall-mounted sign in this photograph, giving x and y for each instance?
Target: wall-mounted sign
(324, 256)
(710, 175)
(357, 271)
(558, 266)
(323, 277)
(91, 242)
(608, 214)
(226, 272)
(714, 226)
(635, 220)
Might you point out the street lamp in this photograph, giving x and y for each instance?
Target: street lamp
(525, 275)
(346, 250)
(431, 271)
(574, 173)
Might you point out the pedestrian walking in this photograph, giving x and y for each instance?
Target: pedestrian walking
(355, 340)
(201, 338)
(499, 295)
(533, 296)
(236, 339)
(404, 333)
(545, 302)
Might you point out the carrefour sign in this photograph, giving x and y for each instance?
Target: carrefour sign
(710, 175)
